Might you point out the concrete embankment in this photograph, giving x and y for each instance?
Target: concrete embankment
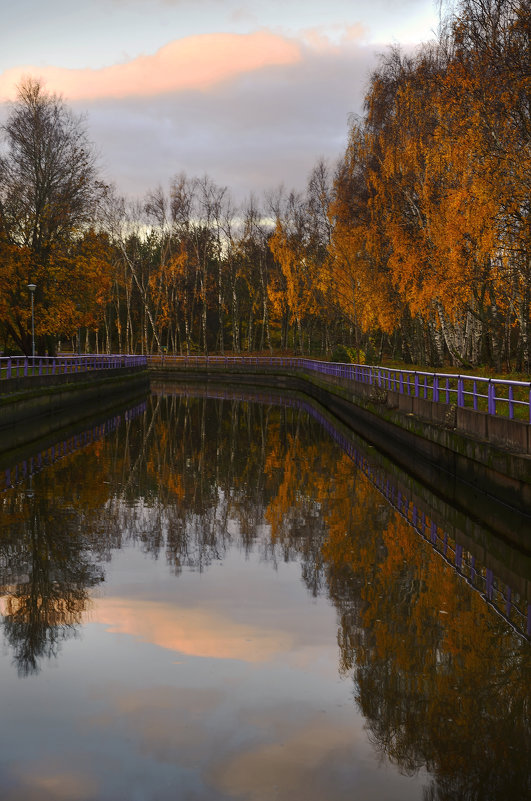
(489, 479)
(62, 400)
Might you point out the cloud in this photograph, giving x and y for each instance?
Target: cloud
(334, 38)
(266, 125)
(192, 63)
(249, 134)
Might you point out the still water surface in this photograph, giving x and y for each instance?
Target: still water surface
(211, 602)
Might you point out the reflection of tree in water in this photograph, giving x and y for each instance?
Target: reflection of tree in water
(442, 683)
(187, 480)
(49, 566)
(215, 470)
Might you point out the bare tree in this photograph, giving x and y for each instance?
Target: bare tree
(48, 180)
(48, 193)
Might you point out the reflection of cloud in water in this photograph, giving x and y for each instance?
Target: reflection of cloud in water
(310, 755)
(290, 769)
(193, 632)
(48, 781)
(233, 745)
(302, 762)
(167, 723)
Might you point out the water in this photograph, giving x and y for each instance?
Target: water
(209, 600)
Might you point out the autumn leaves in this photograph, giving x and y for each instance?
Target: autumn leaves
(432, 200)
(416, 246)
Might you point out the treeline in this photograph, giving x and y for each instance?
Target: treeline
(416, 246)
(183, 271)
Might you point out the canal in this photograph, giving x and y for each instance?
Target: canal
(212, 598)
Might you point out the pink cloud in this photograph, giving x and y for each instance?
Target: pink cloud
(196, 62)
(333, 39)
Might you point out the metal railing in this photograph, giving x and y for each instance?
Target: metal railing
(28, 366)
(496, 396)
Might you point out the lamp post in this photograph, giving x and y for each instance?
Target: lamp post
(32, 288)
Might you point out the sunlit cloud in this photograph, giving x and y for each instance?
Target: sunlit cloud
(334, 38)
(192, 63)
(193, 632)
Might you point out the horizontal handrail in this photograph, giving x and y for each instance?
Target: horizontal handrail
(31, 366)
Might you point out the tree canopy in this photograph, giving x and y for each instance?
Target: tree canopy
(416, 245)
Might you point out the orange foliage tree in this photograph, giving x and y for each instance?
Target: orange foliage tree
(431, 205)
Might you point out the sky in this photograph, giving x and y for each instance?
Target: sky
(250, 92)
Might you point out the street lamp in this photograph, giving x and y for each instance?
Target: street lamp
(32, 288)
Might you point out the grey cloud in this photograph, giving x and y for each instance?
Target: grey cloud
(251, 134)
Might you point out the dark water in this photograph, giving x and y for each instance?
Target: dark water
(209, 599)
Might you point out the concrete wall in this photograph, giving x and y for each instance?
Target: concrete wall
(62, 400)
(514, 435)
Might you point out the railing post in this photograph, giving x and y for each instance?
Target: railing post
(25, 367)
(8, 373)
(511, 407)
(475, 391)
(416, 385)
(436, 388)
(460, 391)
(491, 397)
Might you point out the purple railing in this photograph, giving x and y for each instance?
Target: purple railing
(28, 366)
(497, 396)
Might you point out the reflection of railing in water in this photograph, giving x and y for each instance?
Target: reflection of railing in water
(481, 579)
(28, 467)
(498, 595)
